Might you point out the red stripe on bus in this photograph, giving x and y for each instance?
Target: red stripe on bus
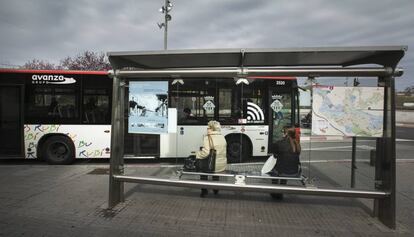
(273, 77)
(54, 71)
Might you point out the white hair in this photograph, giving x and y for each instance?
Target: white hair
(214, 125)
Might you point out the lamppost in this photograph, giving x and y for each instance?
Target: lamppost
(167, 17)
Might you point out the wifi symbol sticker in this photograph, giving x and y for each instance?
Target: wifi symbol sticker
(254, 112)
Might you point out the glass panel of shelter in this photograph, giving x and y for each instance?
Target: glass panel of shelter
(199, 100)
(194, 99)
(139, 145)
(281, 113)
(328, 158)
(190, 99)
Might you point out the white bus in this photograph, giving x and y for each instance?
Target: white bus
(62, 115)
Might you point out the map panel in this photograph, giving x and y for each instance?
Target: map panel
(348, 111)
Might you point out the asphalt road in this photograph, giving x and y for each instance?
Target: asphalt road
(318, 151)
(405, 133)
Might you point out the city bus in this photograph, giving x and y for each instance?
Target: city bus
(61, 115)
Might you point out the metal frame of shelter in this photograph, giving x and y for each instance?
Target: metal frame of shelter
(233, 63)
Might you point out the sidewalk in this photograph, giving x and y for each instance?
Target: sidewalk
(41, 200)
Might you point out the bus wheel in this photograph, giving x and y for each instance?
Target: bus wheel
(238, 150)
(59, 150)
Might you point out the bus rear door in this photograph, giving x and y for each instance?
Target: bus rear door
(11, 121)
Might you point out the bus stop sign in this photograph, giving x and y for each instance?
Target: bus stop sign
(276, 106)
(209, 106)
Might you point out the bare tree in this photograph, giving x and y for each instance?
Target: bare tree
(40, 64)
(86, 61)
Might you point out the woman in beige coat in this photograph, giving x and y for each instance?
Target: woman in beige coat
(220, 145)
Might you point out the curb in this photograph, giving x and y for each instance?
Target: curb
(324, 138)
(405, 125)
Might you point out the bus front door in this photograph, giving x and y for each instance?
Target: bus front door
(11, 122)
(280, 113)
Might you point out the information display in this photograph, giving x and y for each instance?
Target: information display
(348, 111)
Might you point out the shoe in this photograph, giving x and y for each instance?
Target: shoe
(215, 191)
(203, 193)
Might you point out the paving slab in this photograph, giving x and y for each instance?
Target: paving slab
(42, 200)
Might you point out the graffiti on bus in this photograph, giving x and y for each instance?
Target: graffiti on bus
(82, 140)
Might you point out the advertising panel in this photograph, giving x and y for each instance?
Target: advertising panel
(148, 108)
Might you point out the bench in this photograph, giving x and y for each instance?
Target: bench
(241, 178)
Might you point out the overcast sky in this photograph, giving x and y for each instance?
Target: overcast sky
(51, 29)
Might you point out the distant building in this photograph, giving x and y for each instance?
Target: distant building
(409, 91)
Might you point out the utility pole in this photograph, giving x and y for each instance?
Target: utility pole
(167, 17)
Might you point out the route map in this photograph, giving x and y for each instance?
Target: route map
(348, 111)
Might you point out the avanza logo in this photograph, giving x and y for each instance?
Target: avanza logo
(52, 79)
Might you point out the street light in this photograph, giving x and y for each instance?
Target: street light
(167, 17)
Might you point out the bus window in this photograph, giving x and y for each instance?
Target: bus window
(96, 106)
(52, 105)
(195, 104)
(228, 111)
(253, 103)
(236, 102)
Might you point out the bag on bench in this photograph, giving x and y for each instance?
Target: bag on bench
(208, 164)
(268, 165)
(190, 164)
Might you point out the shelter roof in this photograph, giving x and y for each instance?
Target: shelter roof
(387, 56)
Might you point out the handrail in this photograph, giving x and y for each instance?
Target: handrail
(253, 188)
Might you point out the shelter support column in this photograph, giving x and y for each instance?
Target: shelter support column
(385, 164)
(116, 187)
(353, 162)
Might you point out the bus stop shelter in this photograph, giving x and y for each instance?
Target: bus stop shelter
(373, 62)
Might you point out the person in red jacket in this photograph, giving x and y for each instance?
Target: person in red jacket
(287, 152)
(297, 133)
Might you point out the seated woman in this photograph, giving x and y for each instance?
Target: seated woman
(286, 151)
(220, 145)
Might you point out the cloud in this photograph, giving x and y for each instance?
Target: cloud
(51, 30)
